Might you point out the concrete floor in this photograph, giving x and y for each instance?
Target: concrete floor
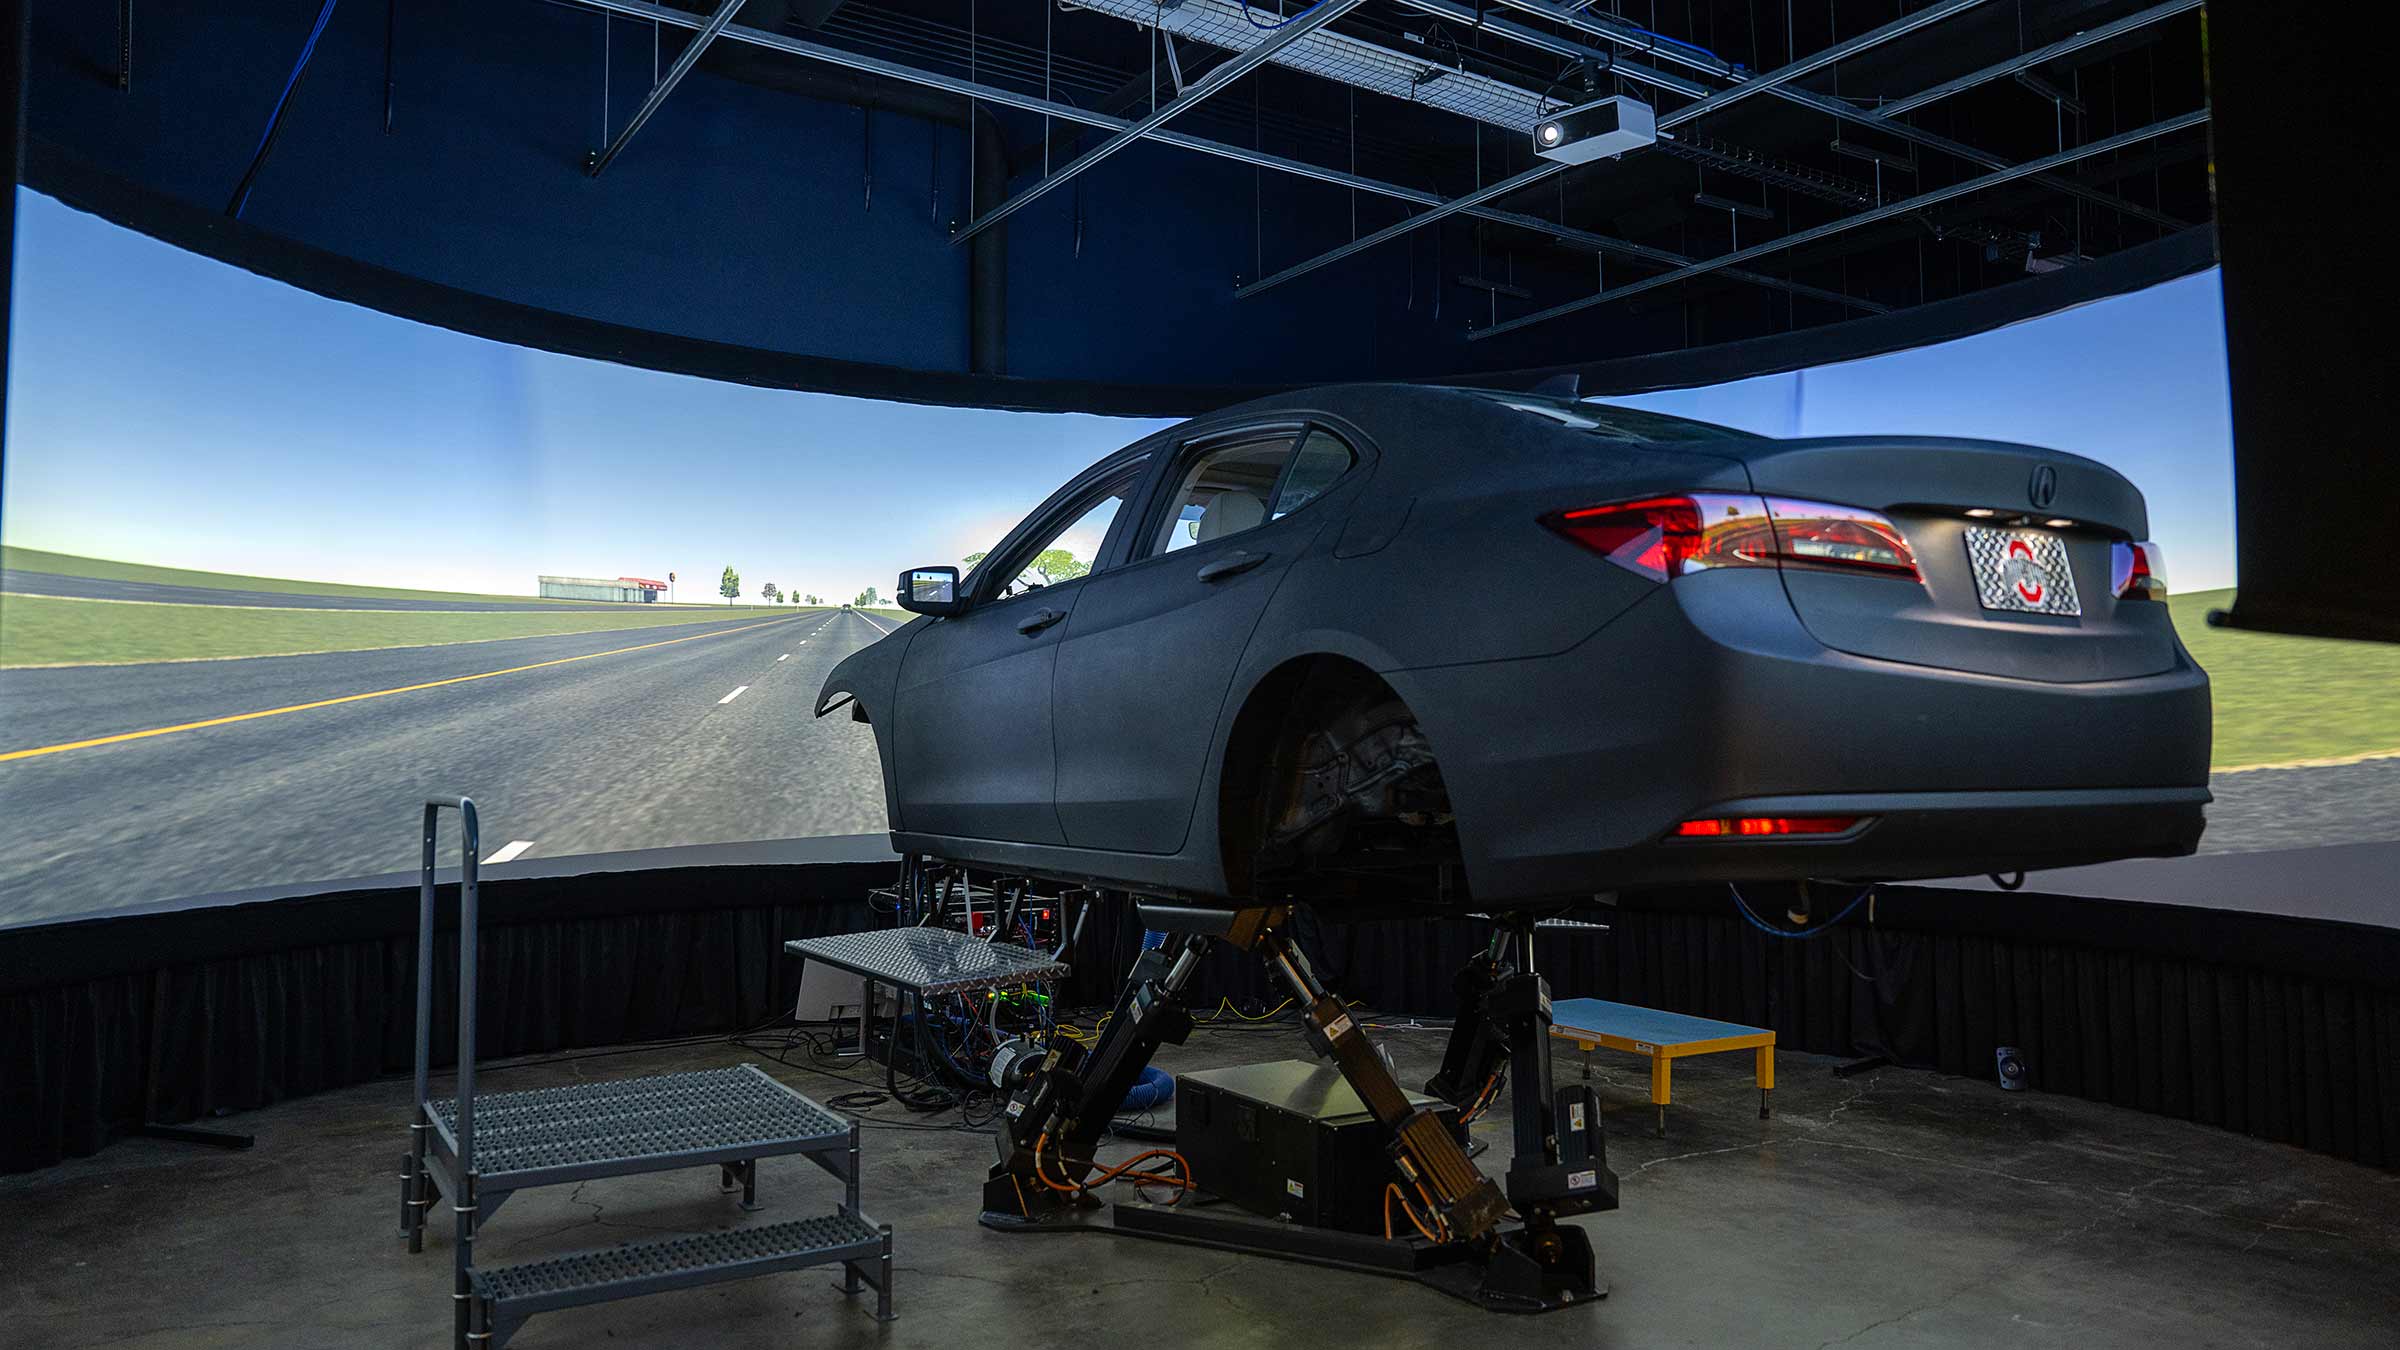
(1897, 1208)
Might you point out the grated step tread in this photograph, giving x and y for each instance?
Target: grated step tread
(627, 1120)
(692, 1259)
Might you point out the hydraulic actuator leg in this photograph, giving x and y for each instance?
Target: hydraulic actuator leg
(1059, 1106)
(1466, 1206)
(1560, 1167)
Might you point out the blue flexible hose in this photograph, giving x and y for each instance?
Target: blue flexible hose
(1790, 933)
(1154, 1089)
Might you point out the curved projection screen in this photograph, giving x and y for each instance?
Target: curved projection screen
(275, 569)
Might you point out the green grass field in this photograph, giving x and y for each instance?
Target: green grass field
(69, 565)
(2286, 699)
(38, 630)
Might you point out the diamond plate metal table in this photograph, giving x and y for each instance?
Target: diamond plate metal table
(929, 961)
(923, 962)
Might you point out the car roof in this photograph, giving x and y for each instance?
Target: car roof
(1427, 413)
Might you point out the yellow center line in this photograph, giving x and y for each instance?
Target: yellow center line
(353, 698)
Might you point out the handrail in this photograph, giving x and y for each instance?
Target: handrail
(463, 1200)
(469, 848)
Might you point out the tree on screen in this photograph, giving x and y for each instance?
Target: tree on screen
(1050, 567)
(772, 595)
(1057, 565)
(730, 585)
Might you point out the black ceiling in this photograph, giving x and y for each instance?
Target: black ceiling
(428, 162)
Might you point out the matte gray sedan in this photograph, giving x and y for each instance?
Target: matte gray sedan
(1390, 647)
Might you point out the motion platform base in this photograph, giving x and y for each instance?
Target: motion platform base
(1526, 1272)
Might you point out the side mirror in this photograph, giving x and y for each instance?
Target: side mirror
(930, 590)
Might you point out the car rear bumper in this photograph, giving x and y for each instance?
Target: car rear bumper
(1569, 773)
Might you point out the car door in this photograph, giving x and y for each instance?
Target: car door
(974, 750)
(1152, 645)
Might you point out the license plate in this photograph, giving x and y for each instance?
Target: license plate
(2022, 571)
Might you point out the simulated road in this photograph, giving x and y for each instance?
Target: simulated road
(585, 743)
(17, 581)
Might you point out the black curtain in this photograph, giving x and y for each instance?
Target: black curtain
(2279, 1027)
(2284, 1028)
(102, 1028)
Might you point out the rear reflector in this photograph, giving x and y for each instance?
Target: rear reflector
(1751, 827)
(2138, 571)
(1667, 537)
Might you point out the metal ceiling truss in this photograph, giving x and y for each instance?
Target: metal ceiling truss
(1774, 81)
(1920, 202)
(1342, 58)
(601, 159)
(1772, 170)
(2039, 56)
(1883, 119)
(1283, 37)
(1023, 102)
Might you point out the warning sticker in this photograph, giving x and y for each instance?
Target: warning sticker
(1338, 1027)
(1298, 1191)
(1583, 1181)
(1575, 1117)
(1015, 1109)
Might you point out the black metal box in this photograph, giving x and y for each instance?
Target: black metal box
(1288, 1139)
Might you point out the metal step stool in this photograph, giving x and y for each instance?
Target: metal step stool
(479, 1149)
(505, 1296)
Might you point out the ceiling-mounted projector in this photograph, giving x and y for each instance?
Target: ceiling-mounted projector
(1595, 130)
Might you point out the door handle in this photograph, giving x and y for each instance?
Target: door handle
(1039, 620)
(1231, 565)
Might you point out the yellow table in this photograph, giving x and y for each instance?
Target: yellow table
(1663, 1036)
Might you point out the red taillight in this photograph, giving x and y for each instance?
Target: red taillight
(1818, 534)
(1667, 537)
(1746, 827)
(2138, 571)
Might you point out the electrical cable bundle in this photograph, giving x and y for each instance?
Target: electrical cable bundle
(1436, 1232)
(1124, 1171)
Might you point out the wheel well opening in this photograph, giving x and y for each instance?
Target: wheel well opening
(1329, 786)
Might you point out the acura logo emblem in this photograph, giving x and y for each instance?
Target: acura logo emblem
(2044, 487)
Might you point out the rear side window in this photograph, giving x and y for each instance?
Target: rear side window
(1226, 489)
(1243, 483)
(1322, 459)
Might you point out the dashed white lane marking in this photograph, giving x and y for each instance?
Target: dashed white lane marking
(785, 657)
(737, 693)
(515, 847)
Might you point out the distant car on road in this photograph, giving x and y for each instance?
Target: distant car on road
(1391, 647)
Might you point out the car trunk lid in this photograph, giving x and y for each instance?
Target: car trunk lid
(2039, 526)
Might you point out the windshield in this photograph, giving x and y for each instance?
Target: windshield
(1610, 422)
